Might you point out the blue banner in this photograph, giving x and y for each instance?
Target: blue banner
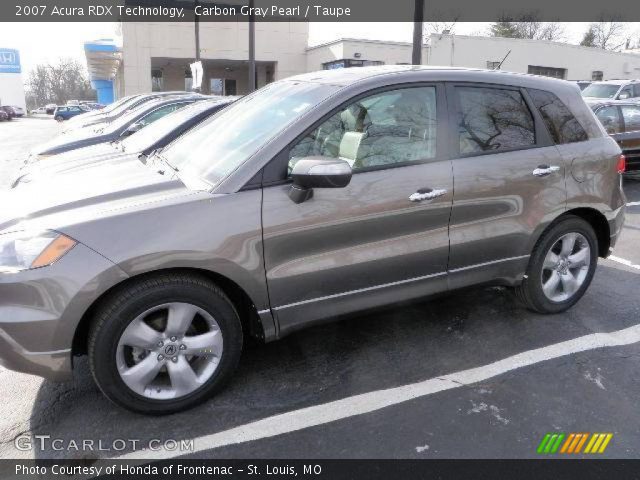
(9, 61)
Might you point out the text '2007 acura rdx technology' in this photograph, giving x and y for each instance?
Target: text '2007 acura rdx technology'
(315, 196)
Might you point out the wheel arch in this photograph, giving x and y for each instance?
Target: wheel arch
(247, 311)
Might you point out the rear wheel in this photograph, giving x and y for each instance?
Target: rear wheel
(561, 267)
(58, 118)
(164, 344)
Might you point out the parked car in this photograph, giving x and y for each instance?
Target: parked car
(11, 113)
(315, 196)
(39, 111)
(65, 112)
(109, 115)
(621, 120)
(582, 84)
(613, 90)
(50, 108)
(140, 145)
(124, 126)
(4, 116)
(19, 111)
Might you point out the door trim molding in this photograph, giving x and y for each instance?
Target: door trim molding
(485, 264)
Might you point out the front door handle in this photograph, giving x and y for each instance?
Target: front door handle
(544, 170)
(427, 194)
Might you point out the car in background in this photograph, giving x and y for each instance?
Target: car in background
(583, 83)
(621, 120)
(92, 105)
(11, 113)
(50, 108)
(19, 111)
(3, 116)
(612, 90)
(109, 115)
(140, 145)
(124, 126)
(39, 111)
(65, 112)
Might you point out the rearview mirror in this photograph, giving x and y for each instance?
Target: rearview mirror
(317, 172)
(131, 129)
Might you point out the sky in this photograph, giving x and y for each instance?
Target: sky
(67, 39)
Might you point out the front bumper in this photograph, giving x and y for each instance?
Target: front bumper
(40, 310)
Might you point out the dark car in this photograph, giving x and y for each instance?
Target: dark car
(621, 120)
(108, 115)
(124, 126)
(11, 113)
(139, 145)
(3, 116)
(65, 112)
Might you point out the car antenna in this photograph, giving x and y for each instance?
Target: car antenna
(500, 64)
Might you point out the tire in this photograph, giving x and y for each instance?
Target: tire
(114, 331)
(531, 291)
(58, 118)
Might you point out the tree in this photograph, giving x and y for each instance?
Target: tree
(527, 26)
(57, 83)
(609, 35)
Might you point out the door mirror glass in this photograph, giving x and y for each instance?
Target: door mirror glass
(317, 172)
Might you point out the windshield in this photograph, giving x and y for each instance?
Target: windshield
(127, 118)
(223, 142)
(147, 137)
(113, 106)
(600, 90)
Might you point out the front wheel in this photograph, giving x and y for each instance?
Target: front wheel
(164, 344)
(59, 119)
(561, 267)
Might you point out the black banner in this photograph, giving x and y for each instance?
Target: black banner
(313, 10)
(322, 469)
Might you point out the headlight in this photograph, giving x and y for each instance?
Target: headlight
(22, 250)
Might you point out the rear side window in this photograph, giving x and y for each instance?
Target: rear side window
(609, 116)
(493, 119)
(631, 115)
(562, 125)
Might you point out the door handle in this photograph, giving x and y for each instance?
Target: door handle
(544, 170)
(427, 194)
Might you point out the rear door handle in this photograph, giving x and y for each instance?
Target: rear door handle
(427, 194)
(544, 170)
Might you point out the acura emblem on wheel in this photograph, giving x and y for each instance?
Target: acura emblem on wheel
(170, 350)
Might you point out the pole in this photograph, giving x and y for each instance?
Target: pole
(252, 49)
(418, 18)
(196, 25)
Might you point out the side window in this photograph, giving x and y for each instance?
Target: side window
(493, 119)
(389, 128)
(631, 117)
(159, 113)
(625, 93)
(562, 125)
(610, 119)
(636, 90)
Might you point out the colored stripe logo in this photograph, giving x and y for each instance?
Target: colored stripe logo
(574, 443)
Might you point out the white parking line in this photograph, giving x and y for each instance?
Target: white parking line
(623, 261)
(376, 400)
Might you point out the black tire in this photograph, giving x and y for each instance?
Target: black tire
(125, 304)
(530, 290)
(58, 118)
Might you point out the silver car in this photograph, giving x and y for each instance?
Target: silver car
(316, 196)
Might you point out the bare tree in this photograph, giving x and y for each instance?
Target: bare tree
(440, 27)
(529, 26)
(606, 35)
(57, 83)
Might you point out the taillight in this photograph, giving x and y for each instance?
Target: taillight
(622, 164)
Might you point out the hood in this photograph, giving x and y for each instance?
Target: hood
(84, 194)
(72, 140)
(72, 160)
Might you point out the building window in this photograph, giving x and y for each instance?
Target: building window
(597, 75)
(349, 62)
(157, 83)
(492, 65)
(548, 71)
(188, 80)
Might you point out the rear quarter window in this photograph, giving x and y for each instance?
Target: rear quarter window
(561, 123)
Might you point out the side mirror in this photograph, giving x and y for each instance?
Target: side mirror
(131, 129)
(624, 96)
(317, 172)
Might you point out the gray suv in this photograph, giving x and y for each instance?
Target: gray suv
(316, 196)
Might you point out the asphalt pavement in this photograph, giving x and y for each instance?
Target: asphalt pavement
(471, 374)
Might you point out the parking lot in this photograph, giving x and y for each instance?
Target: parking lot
(380, 385)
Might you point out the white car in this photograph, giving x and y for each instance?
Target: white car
(38, 111)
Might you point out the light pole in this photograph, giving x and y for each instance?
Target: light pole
(252, 49)
(418, 18)
(196, 25)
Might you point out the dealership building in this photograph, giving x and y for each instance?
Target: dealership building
(11, 85)
(156, 56)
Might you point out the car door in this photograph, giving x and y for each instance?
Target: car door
(509, 180)
(629, 139)
(382, 238)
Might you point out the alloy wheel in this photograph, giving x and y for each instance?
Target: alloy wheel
(566, 267)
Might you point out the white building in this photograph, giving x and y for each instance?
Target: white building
(156, 56)
(11, 86)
